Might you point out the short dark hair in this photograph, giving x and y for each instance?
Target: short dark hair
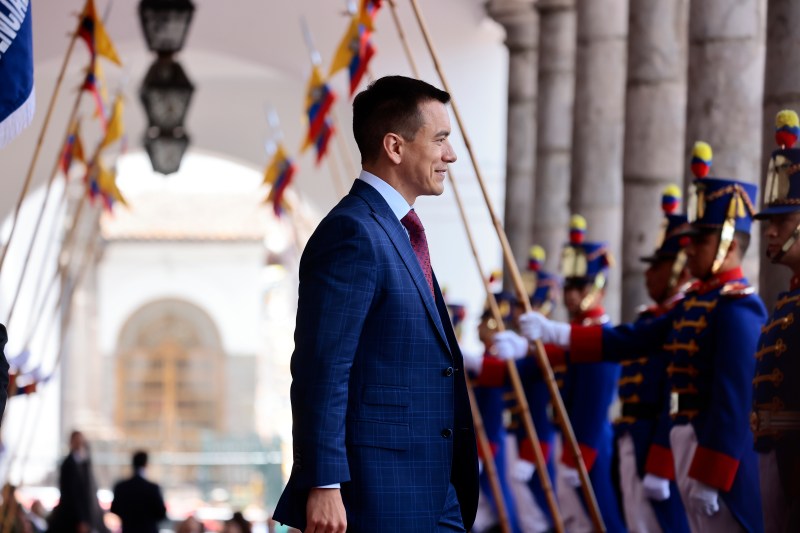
(390, 105)
(140, 459)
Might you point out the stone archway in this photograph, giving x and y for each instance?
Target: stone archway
(169, 361)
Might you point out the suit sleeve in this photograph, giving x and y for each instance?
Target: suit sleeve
(4, 378)
(593, 344)
(726, 434)
(338, 278)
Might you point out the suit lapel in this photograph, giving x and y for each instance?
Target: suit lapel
(394, 229)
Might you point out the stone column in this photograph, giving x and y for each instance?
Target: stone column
(655, 123)
(597, 139)
(781, 91)
(521, 22)
(554, 129)
(726, 89)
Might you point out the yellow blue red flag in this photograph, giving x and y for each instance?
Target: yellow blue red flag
(92, 30)
(319, 100)
(355, 50)
(278, 176)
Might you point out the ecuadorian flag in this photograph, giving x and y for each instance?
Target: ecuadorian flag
(17, 101)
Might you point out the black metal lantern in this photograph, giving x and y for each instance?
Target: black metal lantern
(165, 24)
(166, 149)
(165, 94)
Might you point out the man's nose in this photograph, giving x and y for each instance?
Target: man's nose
(449, 154)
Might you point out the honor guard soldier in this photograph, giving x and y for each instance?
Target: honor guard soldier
(775, 419)
(544, 296)
(487, 374)
(642, 430)
(711, 337)
(587, 390)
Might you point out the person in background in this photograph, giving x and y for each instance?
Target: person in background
(138, 501)
(775, 419)
(78, 510)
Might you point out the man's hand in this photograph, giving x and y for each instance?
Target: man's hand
(508, 345)
(536, 327)
(325, 512)
(703, 499)
(656, 488)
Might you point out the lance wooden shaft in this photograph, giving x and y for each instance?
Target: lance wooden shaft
(61, 267)
(488, 461)
(547, 371)
(516, 382)
(39, 284)
(338, 184)
(40, 216)
(29, 176)
(347, 156)
(66, 295)
(402, 35)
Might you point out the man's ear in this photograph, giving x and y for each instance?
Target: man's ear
(393, 146)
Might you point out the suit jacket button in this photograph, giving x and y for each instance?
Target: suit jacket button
(447, 433)
(448, 371)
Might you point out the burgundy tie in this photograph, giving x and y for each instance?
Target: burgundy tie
(419, 243)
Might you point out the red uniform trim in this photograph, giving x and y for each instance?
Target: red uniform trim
(586, 344)
(493, 446)
(526, 450)
(555, 354)
(589, 457)
(493, 372)
(713, 468)
(660, 462)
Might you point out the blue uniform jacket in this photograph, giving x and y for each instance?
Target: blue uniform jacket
(711, 338)
(644, 393)
(776, 389)
(379, 400)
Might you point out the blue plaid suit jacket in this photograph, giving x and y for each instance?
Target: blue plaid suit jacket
(379, 401)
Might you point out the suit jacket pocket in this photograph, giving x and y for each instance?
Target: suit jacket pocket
(386, 395)
(388, 435)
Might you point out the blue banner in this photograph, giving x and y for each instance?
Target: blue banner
(17, 101)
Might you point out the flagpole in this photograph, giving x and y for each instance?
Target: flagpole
(29, 176)
(65, 295)
(316, 61)
(511, 264)
(90, 252)
(40, 216)
(338, 182)
(347, 158)
(402, 34)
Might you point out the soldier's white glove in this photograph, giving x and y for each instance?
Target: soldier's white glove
(656, 488)
(703, 499)
(523, 470)
(536, 327)
(508, 345)
(473, 360)
(571, 476)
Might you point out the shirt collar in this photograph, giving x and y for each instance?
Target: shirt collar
(396, 202)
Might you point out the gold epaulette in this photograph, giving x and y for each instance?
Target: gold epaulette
(736, 289)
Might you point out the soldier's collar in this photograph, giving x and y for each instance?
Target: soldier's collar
(795, 283)
(718, 280)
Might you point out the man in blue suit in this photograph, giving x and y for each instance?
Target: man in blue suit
(383, 435)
